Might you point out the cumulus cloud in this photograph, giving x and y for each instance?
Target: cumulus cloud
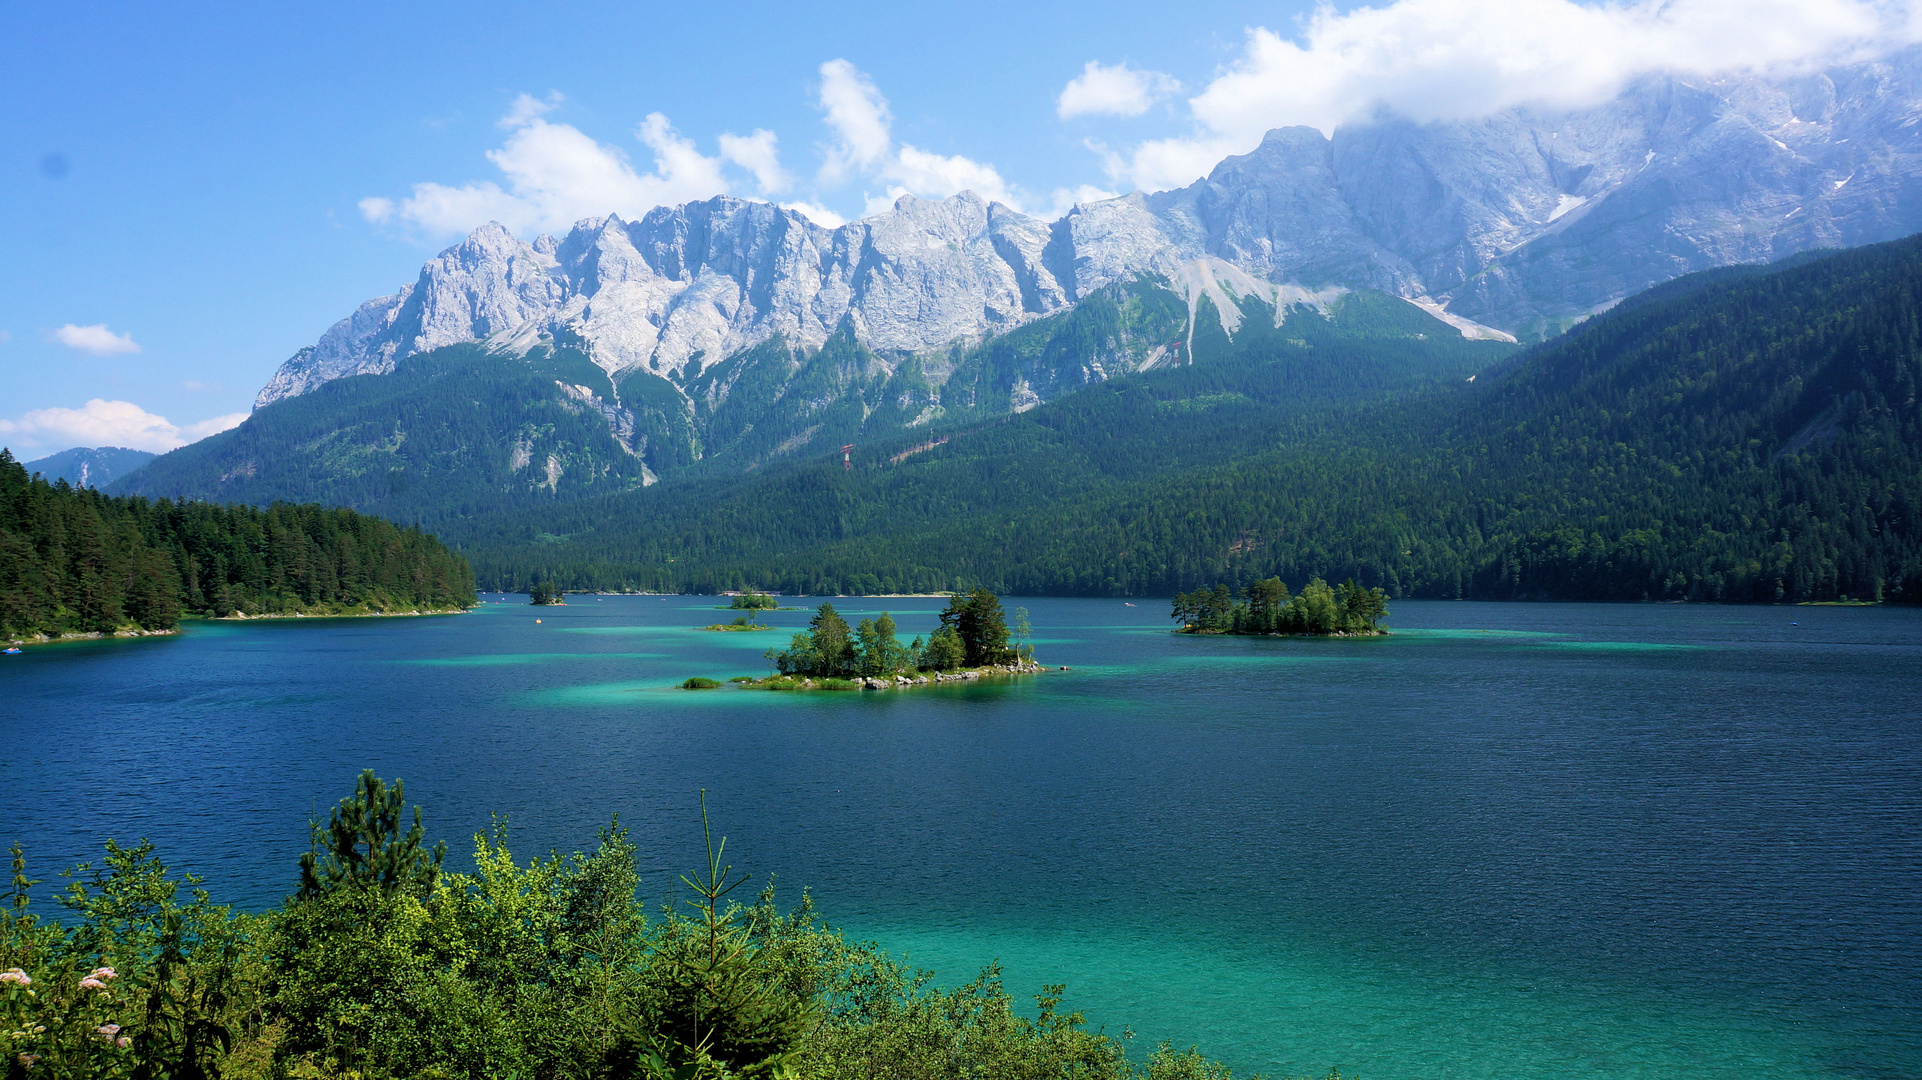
(858, 116)
(95, 339)
(816, 213)
(757, 153)
(527, 108)
(1459, 59)
(110, 423)
(1063, 200)
(1120, 90)
(553, 175)
(864, 147)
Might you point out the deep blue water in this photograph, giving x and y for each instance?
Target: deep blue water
(1535, 841)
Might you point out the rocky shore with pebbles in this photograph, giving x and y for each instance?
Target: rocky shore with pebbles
(892, 682)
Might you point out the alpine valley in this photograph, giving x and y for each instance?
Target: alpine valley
(1333, 355)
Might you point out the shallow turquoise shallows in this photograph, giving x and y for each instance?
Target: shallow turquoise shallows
(1509, 841)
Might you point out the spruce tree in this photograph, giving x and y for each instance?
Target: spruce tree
(362, 846)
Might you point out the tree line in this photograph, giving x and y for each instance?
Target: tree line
(384, 964)
(74, 560)
(973, 633)
(1266, 607)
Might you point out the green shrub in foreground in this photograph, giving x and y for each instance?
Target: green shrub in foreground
(387, 966)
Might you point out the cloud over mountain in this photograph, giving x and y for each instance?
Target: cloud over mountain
(109, 423)
(1465, 59)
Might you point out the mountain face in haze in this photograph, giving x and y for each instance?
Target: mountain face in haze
(1527, 222)
(94, 467)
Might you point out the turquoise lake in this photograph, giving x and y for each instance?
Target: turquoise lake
(1528, 841)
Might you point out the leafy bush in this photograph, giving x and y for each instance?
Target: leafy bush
(548, 969)
(698, 683)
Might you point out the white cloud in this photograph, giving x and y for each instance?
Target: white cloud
(1065, 199)
(815, 212)
(757, 154)
(864, 145)
(1101, 90)
(555, 175)
(527, 108)
(1460, 59)
(1161, 164)
(110, 423)
(5, 336)
(934, 175)
(95, 339)
(858, 116)
(1452, 59)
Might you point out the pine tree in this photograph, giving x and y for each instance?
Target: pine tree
(362, 846)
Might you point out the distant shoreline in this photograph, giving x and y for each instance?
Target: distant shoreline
(86, 635)
(240, 617)
(101, 635)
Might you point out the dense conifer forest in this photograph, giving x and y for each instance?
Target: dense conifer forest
(1741, 436)
(1265, 607)
(75, 561)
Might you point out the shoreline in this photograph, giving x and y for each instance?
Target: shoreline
(1379, 632)
(135, 632)
(87, 635)
(242, 617)
(889, 682)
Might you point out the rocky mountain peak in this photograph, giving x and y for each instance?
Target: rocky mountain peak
(1525, 221)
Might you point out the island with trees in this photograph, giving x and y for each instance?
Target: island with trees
(973, 641)
(1265, 608)
(546, 594)
(756, 601)
(751, 602)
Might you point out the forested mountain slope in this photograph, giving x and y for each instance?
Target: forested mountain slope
(1754, 438)
(464, 430)
(90, 466)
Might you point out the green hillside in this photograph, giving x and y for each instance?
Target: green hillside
(1748, 437)
(407, 444)
(462, 432)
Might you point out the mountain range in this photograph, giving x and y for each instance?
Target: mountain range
(1522, 222)
(723, 345)
(1743, 434)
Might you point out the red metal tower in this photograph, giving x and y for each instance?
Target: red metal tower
(847, 463)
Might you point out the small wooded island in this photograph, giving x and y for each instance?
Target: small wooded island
(973, 641)
(1266, 608)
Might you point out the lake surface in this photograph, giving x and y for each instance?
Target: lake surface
(1537, 841)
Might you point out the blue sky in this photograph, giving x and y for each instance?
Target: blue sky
(189, 193)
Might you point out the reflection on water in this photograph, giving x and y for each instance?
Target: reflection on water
(1537, 841)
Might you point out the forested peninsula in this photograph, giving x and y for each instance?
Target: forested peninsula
(76, 562)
